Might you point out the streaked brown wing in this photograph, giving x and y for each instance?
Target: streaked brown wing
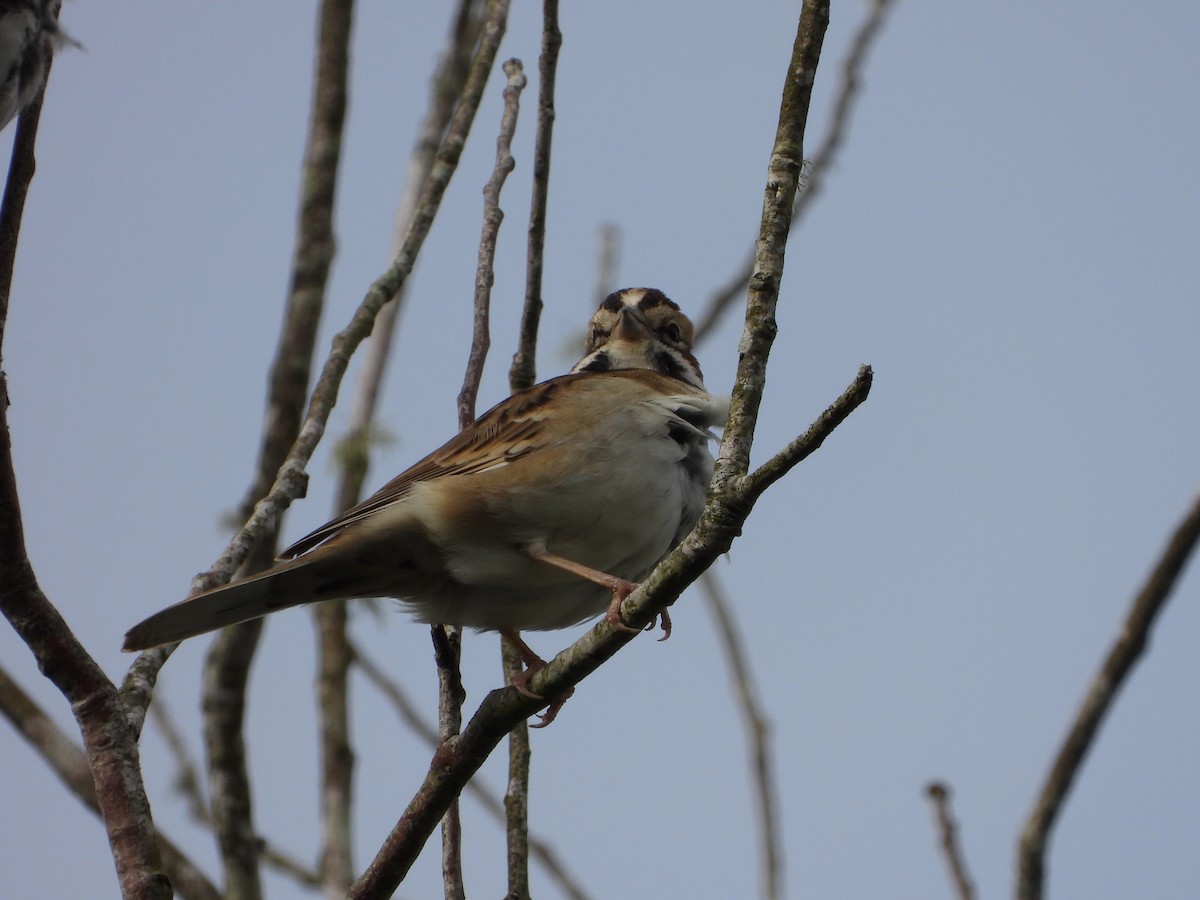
(506, 432)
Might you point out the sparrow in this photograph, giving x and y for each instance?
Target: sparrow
(29, 35)
(544, 513)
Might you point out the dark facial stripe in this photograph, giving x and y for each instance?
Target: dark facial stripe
(598, 363)
(613, 302)
(669, 364)
(654, 298)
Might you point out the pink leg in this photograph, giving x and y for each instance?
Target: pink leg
(533, 663)
(619, 586)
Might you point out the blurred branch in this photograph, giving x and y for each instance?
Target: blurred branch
(521, 374)
(539, 849)
(814, 171)
(939, 796)
(69, 763)
(446, 85)
(523, 371)
(337, 753)
(333, 649)
(447, 654)
(447, 638)
(607, 253)
(1126, 650)
(110, 744)
(515, 813)
(758, 734)
(187, 782)
(227, 665)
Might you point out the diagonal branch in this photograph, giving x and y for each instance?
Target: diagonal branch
(1126, 650)
(539, 849)
(455, 762)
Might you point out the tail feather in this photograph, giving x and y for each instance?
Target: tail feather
(286, 585)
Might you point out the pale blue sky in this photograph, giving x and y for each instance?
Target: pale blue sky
(1009, 237)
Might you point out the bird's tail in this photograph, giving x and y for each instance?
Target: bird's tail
(287, 584)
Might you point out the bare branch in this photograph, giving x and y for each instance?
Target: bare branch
(187, 773)
(68, 762)
(539, 849)
(1126, 650)
(521, 374)
(815, 170)
(758, 734)
(753, 485)
(783, 176)
(492, 217)
(187, 782)
(448, 639)
(447, 652)
(939, 796)
(523, 371)
(516, 794)
(337, 754)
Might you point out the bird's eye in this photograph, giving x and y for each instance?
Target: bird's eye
(596, 336)
(672, 332)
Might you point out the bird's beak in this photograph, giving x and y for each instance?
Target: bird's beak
(631, 326)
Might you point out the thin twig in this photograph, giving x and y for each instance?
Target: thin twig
(516, 791)
(539, 849)
(337, 753)
(758, 734)
(187, 773)
(450, 693)
(493, 216)
(447, 654)
(523, 371)
(1122, 656)
(939, 796)
(521, 374)
(816, 169)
